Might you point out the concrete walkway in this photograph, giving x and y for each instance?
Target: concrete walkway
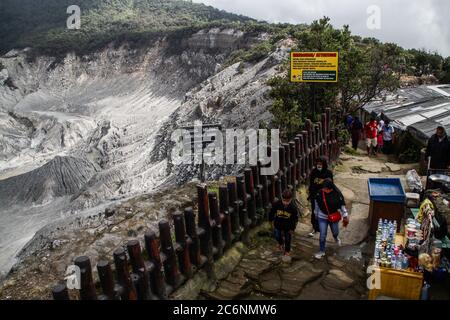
(263, 274)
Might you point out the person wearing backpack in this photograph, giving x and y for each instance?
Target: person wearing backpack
(329, 211)
(284, 218)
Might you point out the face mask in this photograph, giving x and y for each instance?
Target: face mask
(319, 168)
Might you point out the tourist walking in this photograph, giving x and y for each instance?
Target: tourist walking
(356, 132)
(371, 131)
(388, 137)
(316, 179)
(284, 218)
(329, 211)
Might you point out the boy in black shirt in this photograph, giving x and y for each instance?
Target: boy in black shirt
(284, 217)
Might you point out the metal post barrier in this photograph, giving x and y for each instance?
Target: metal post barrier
(250, 190)
(105, 275)
(194, 248)
(171, 271)
(243, 208)
(306, 153)
(272, 188)
(303, 155)
(293, 159)
(182, 245)
(258, 191)
(298, 157)
(288, 165)
(157, 280)
(60, 292)
(218, 242)
(123, 275)
(278, 189)
(140, 269)
(265, 195)
(205, 224)
(234, 215)
(224, 207)
(87, 291)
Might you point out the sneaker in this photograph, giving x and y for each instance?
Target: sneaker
(319, 255)
(287, 254)
(311, 234)
(338, 241)
(280, 248)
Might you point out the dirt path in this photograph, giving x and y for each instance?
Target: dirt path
(262, 274)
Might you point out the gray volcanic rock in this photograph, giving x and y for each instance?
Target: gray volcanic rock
(113, 111)
(60, 177)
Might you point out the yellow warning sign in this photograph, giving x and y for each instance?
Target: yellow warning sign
(314, 66)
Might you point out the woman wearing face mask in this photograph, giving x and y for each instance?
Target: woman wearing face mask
(329, 211)
(316, 179)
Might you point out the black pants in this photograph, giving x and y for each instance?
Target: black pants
(284, 239)
(314, 222)
(387, 147)
(355, 143)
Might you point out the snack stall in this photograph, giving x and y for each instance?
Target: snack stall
(407, 256)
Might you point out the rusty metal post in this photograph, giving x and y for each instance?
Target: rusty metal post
(171, 271)
(141, 286)
(282, 158)
(328, 121)
(302, 158)
(139, 268)
(288, 165)
(278, 189)
(308, 129)
(271, 189)
(306, 153)
(258, 190)
(324, 134)
(283, 179)
(214, 213)
(251, 203)
(224, 207)
(87, 291)
(182, 245)
(105, 275)
(60, 292)
(123, 275)
(205, 224)
(234, 214)
(191, 229)
(298, 159)
(293, 158)
(243, 207)
(157, 281)
(265, 195)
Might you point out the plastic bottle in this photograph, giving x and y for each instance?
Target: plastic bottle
(425, 289)
(398, 264)
(405, 263)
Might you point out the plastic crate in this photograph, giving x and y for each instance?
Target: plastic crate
(386, 190)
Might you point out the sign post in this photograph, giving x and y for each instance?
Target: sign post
(203, 142)
(314, 67)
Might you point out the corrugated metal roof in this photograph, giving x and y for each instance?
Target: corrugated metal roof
(419, 110)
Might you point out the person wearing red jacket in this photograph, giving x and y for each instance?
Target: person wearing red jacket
(371, 131)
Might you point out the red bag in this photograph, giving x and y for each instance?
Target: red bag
(333, 217)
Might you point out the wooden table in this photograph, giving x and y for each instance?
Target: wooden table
(400, 284)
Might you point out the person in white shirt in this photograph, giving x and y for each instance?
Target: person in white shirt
(388, 137)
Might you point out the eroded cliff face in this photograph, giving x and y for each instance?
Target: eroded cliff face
(107, 119)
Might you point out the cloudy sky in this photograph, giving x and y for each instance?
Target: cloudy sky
(410, 23)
